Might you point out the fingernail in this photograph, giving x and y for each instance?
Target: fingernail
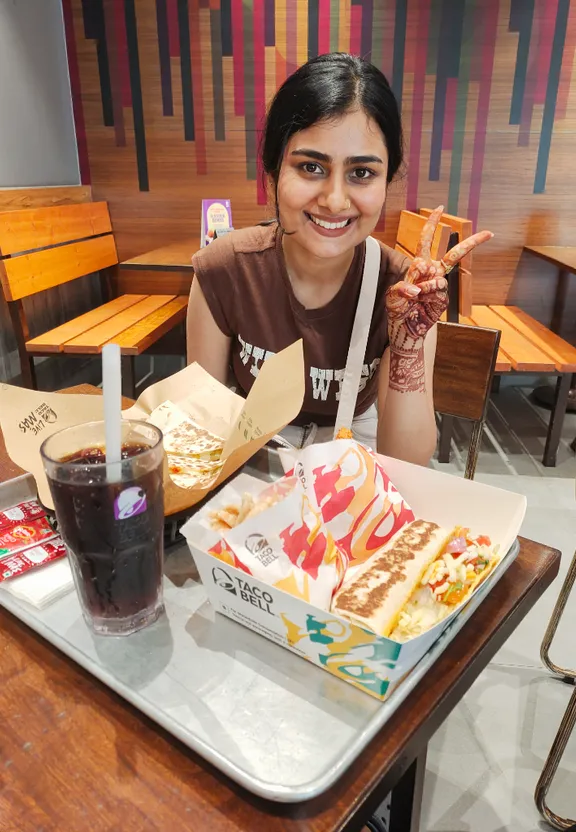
(412, 291)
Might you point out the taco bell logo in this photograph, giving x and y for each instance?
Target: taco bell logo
(129, 503)
(247, 592)
(222, 579)
(258, 546)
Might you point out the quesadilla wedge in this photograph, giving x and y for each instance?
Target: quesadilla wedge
(462, 564)
(183, 436)
(379, 589)
(188, 472)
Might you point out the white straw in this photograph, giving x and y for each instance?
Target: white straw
(112, 384)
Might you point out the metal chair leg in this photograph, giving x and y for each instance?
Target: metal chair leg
(557, 613)
(551, 766)
(473, 450)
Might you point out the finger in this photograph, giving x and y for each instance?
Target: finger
(404, 289)
(425, 243)
(421, 270)
(438, 284)
(465, 247)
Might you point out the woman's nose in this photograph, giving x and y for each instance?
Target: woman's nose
(334, 196)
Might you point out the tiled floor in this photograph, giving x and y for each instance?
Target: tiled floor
(483, 764)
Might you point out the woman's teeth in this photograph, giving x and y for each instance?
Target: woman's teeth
(330, 225)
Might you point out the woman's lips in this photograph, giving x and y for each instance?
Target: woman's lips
(331, 232)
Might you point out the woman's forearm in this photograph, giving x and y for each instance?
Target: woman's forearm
(406, 421)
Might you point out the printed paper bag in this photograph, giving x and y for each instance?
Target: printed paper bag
(27, 417)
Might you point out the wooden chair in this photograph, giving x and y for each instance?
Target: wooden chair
(45, 247)
(463, 372)
(527, 346)
(409, 232)
(462, 289)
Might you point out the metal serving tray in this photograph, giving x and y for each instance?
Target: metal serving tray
(274, 723)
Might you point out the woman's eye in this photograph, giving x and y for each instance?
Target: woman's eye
(311, 167)
(363, 174)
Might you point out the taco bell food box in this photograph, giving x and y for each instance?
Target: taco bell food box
(363, 504)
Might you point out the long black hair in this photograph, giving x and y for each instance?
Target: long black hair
(322, 89)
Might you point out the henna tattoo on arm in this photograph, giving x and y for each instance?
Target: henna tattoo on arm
(407, 370)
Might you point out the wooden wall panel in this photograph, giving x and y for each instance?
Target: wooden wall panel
(172, 114)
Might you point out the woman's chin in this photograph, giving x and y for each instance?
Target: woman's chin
(322, 245)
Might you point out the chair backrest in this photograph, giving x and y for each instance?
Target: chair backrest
(464, 369)
(45, 247)
(409, 232)
(463, 228)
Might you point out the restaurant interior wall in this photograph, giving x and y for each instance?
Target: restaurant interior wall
(170, 96)
(37, 141)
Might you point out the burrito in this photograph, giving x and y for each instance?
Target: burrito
(379, 589)
(462, 564)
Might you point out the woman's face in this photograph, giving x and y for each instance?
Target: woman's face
(332, 184)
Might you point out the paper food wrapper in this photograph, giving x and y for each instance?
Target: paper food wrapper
(27, 417)
(340, 507)
(359, 505)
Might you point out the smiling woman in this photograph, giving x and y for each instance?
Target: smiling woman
(331, 145)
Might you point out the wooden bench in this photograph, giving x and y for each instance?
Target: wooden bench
(45, 247)
(526, 346)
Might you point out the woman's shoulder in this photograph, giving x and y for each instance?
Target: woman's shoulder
(393, 262)
(242, 241)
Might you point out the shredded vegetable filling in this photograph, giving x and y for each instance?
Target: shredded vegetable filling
(459, 567)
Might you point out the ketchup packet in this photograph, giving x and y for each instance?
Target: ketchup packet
(22, 513)
(28, 559)
(25, 535)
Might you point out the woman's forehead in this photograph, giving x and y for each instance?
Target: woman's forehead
(353, 133)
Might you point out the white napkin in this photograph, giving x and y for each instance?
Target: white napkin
(42, 586)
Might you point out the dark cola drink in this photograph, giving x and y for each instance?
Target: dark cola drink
(112, 521)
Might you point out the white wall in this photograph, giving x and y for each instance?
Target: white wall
(37, 139)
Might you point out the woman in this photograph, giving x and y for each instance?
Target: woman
(332, 143)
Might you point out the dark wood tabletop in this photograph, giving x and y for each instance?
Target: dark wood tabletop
(75, 756)
(175, 257)
(562, 256)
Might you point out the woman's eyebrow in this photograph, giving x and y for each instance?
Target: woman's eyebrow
(312, 154)
(363, 160)
(323, 157)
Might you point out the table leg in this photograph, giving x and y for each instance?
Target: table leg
(407, 797)
(128, 376)
(560, 300)
(446, 428)
(557, 419)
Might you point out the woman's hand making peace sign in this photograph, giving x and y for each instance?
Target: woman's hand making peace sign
(416, 303)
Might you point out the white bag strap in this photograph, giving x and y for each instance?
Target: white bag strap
(359, 339)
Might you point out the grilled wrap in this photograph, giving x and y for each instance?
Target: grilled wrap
(379, 589)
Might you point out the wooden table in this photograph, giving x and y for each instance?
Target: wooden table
(173, 261)
(75, 756)
(564, 258)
